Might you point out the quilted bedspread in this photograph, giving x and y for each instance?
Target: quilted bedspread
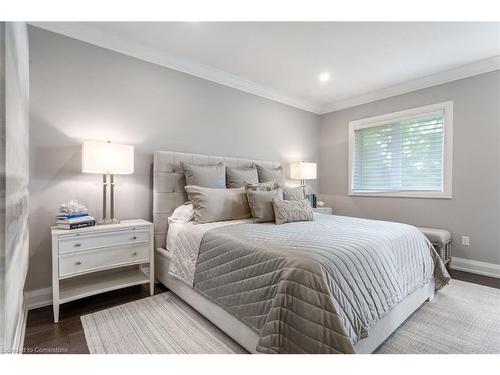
(314, 287)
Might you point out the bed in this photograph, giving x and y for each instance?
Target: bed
(333, 285)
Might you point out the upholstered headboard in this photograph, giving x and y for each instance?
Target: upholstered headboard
(169, 182)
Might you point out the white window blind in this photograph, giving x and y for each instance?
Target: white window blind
(401, 155)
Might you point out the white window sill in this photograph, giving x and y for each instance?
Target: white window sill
(403, 194)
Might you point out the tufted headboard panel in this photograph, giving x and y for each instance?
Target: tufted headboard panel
(169, 182)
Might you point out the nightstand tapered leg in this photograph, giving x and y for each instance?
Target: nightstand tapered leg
(56, 312)
(151, 262)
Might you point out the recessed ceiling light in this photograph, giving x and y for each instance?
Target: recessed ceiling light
(324, 77)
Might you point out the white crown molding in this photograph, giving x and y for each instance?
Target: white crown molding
(475, 266)
(118, 44)
(96, 37)
(469, 70)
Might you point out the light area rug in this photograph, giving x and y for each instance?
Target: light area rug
(162, 324)
(462, 318)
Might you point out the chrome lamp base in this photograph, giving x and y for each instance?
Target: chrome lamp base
(105, 220)
(303, 186)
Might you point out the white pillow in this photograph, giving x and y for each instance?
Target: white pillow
(182, 214)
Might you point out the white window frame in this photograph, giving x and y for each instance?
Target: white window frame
(447, 107)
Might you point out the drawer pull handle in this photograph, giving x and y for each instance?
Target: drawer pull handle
(77, 244)
(134, 238)
(134, 253)
(77, 263)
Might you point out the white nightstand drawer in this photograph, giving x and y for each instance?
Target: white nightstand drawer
(78, 242)
(94, 260)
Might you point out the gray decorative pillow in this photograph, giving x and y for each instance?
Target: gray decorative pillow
(236, 177)
(218, 204)
(205, 175)
(261, 204)
(263, 186)
(271, 174)
(290, 211)
(293, 194)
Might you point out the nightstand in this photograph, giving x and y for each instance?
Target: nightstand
(323, 210)
(101, 258)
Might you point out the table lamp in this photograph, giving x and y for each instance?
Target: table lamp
(108, 159)
(303, 171)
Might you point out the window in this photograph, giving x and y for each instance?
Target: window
(402, 154)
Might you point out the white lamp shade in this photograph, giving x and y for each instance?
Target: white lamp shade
(104, 157)
(303, 171)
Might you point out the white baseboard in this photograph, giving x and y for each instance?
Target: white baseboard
(38, 298)
(475, 266)
(43, 297)
(18, 345)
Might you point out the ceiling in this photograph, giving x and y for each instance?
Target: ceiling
(283, 60)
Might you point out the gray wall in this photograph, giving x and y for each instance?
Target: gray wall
(14, 148)
(475, 207)
(82, 92)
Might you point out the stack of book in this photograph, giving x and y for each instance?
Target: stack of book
(74, 221)
(312, 200)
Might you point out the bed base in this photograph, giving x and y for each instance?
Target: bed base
(248, 338)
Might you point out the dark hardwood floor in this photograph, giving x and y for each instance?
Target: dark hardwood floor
(45, 336)
(475, 279)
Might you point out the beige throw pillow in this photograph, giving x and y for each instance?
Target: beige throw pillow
(261, 204)
(290, 211)
(205, 175)
(212, 204)
(262, 186)
(293, 194)
(271, 174)
(236, 177)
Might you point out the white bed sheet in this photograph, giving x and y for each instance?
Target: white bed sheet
(183, 242)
